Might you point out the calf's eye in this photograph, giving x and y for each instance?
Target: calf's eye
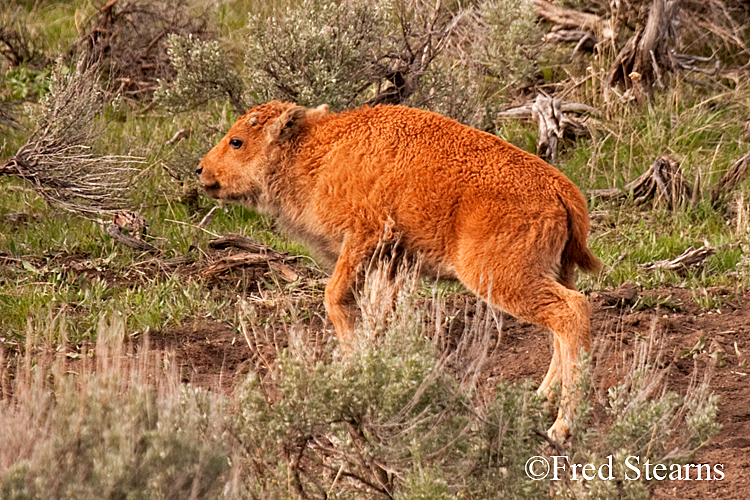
(235, 143)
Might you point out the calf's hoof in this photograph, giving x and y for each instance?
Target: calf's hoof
(559, 431)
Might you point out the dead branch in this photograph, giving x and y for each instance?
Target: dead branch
(206, 220)
(180, 134)
(116, 233)
(397, 75)
(256, 262)
(554, 124)
(689, 62)
(235, 240)
(132, 36)
(524, 111)
(228, 262)
(730, 180)
(547, 113)
(607, 194)
(585, 40)
(663, 182)
(572, 19)
(585, 29)
(690, 258)
(257, 256)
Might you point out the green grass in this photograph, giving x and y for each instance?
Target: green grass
(638, 237)
(704, 132)
(32, 297)
(52, 25)
(35, 287)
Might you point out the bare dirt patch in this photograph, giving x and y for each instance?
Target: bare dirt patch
(211, 354)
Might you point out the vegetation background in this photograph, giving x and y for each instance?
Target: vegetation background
(111, 259)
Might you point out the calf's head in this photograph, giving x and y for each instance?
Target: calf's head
(235, 169)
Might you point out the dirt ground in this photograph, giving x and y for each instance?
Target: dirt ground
(689, 338)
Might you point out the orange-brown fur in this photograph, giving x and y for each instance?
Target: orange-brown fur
(511, 227)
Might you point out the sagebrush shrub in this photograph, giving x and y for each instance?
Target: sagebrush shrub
(127, 429)
(457, 60)
(203, 72)
(508, 40)
(315, 51)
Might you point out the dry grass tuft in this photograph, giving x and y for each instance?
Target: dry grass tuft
(58, 159)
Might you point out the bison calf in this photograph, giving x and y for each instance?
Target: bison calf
(508, 225)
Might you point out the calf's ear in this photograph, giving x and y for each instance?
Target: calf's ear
(287, 126)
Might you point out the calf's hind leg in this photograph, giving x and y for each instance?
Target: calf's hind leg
(552, 377)
(540, 299)
(567, 278)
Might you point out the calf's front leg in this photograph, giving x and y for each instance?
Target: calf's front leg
(339, 295)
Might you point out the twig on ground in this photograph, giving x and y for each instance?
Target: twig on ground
(116, 233)
(690, 258)
(256, 255)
